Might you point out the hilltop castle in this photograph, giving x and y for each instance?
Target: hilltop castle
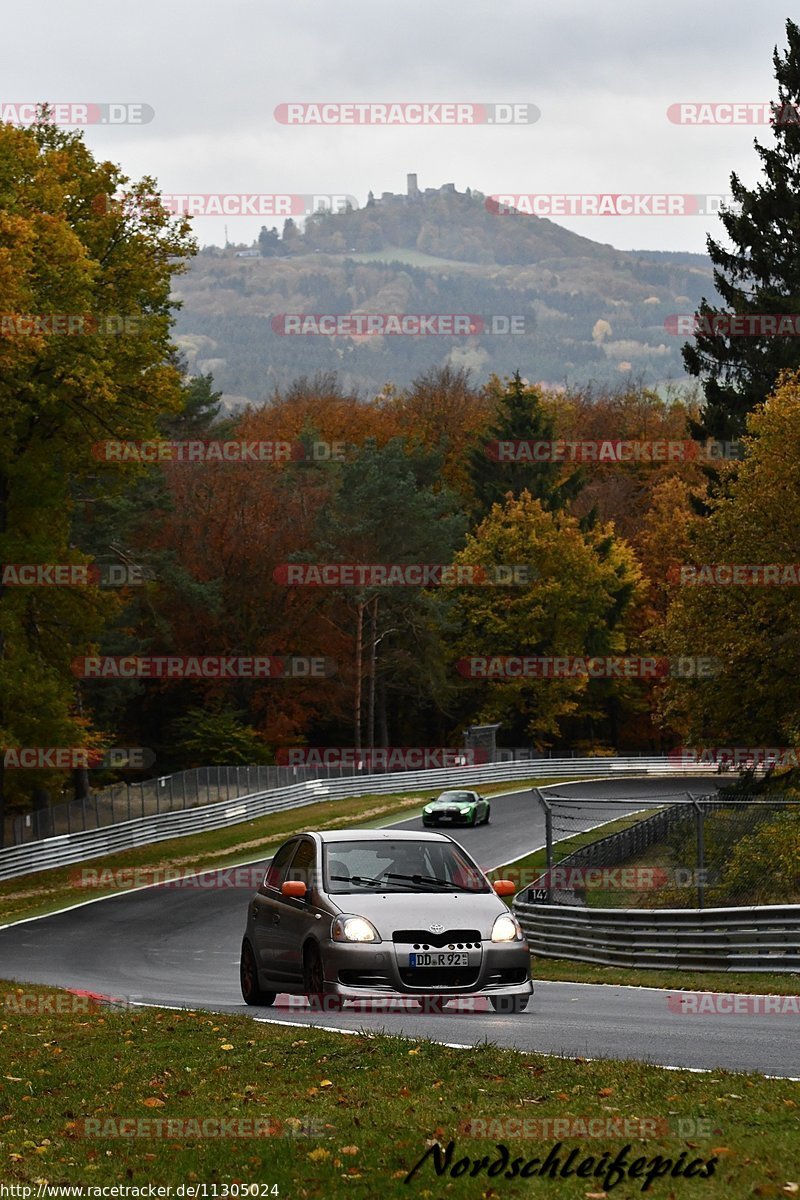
(413, 193)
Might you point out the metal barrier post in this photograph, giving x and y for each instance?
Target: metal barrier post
(548, 832)
(701, 852)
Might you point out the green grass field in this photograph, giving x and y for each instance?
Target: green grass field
(95, 1096)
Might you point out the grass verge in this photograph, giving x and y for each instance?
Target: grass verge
(524, 870)
(43, 892)
(352, 1115)
(772, 983)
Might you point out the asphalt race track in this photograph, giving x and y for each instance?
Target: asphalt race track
(180, 946)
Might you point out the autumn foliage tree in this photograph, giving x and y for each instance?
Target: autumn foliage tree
(751, 630)
(79, 273)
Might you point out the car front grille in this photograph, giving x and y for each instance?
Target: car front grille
(439, 977)
(450, 939)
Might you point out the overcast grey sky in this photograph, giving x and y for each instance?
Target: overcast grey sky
(602, 76)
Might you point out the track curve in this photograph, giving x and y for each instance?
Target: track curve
(180, 946)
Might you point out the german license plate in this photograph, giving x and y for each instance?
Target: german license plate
(439, 958)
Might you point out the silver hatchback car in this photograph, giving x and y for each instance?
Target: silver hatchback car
(353, 914)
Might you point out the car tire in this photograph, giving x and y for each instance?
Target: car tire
(509, 1004)
(474, 820)
(314, 982)
(488, 814)
(252, 993)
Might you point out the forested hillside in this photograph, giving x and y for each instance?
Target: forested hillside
(589, 312)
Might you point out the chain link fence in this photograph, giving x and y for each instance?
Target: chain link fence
(690, 852)
(166, 793)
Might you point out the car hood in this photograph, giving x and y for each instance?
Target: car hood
(416, 910)
(450, 803)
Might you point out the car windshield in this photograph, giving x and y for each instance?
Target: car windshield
(401, 866)
(456, 798)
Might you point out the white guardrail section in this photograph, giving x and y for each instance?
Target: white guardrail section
(763, 938)
(70, 848)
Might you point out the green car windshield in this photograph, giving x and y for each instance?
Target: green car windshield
(456, 798)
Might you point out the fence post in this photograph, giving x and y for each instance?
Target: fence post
(701, 852)
(548, 833)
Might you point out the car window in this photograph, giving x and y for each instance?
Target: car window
(304, 864)
(401, 866)
(276, 872)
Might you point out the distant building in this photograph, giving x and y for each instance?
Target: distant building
(248, 254)
(412, 193)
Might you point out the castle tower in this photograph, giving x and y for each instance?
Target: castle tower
(411, 185)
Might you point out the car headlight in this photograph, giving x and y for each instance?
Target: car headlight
(465, 809)
(427, 810)
(506, 929)
(354, 929)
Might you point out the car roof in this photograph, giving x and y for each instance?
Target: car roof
(378, 835)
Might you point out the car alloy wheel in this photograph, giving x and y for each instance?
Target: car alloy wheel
(248, 979)
(314, 982)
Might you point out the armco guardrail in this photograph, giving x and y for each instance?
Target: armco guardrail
(763, 938)
(194, 788)
(126, 835)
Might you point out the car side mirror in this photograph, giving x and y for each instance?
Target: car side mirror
(295, 888)
(503, 887)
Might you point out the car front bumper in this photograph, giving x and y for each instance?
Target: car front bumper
(453, 819)
(354, 970)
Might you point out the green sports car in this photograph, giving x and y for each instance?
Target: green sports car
(457, 808)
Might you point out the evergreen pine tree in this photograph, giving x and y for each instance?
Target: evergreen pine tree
(520, 417)
(760, 274)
